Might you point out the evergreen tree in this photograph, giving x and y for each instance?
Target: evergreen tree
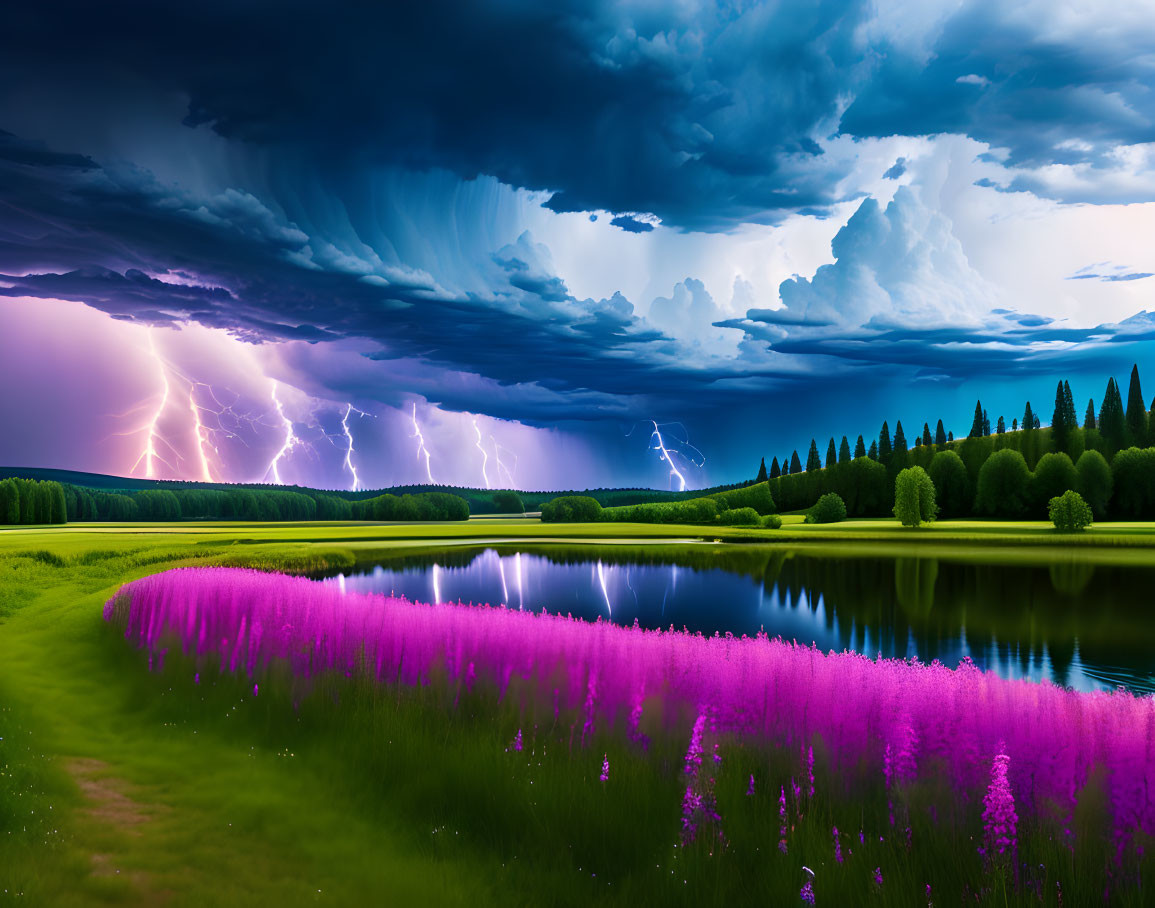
(1038, 424)
(1028, 417)
(950, 436)
(899, 439)
(859, 448)
(873, 453)
(1136, 411)
(926, 434)
(1069, 407)
(977, 422)
(939, 434)
(813, 460)
(796, 464)
(1060, 429)
(1015, 424)
(986, 424)
(844, 451)
(1001, 428)
(1112, 419)
(762, 475)
(885, 449)
(1089, 419)
(775, 470)
(831, 454)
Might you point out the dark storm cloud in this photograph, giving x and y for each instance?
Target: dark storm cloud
(227, 262)
(706, 118)
(631, 224)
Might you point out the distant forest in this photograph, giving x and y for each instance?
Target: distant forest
(1010, 472)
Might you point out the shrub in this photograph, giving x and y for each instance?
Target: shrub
(772, 522)
(695, 510)
(830, 508)
(508, 503)
(1095, 481)
(1069, 512)
(740, 517)
(1004, 485)
(756, 496)
(571, 509)
(952, 484)
(1133, 473)
(914, 497)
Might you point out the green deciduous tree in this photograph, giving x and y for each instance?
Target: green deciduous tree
(1133, 474)
(1095, 481)
(830, 508)
(914, 497)
(952, 484)
(1054, 475)
(1004, 485)
(509, 502)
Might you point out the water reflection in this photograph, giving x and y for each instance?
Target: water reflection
(1073, 622)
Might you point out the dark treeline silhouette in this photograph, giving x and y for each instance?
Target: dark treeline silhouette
(1109, 460)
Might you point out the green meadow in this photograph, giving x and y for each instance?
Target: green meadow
(118, 786)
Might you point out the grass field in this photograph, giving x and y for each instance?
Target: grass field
(111, 793)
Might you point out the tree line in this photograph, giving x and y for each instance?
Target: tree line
(1008, 472)
(29, 501)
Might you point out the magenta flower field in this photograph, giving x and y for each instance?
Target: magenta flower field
(1012, 756)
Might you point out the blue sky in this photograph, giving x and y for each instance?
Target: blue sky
(534, 228)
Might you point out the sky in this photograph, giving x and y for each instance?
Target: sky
(562, 245)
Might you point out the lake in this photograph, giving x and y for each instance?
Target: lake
(1061, 617)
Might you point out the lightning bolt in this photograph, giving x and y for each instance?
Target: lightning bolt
(150, 454)
(201, 433)
(484, 456)
(501, 467)
(291, 439)
(665, 455)
(422, 451)
(349, 465)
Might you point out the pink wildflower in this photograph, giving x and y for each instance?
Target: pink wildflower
(806, 893)
(1000, 822)
(877, 876)
(750, 787)
(837, 845)
(605, 768)
(782, 819)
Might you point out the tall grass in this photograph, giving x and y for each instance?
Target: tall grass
(728, 763)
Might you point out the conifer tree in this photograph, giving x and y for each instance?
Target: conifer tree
(1069, 407)
(795, 463)
(950, 436)
(977, 422)
(775, 470)
(831, 454)
(859, 448)
(1089, 418)
(986, 424)
(1060, 430)
(1028, 417)
(926, 434)
(1136, 411)
(1015, 424)
(885, 449)
(813, 460)
(1112, 419)
(899, 439)
(1001, 428)
(844, 451)
(939, 434)
(762, 475)
(873, 453)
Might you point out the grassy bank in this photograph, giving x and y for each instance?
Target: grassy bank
(117, 788)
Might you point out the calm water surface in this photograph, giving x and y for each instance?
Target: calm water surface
(1078, 624)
